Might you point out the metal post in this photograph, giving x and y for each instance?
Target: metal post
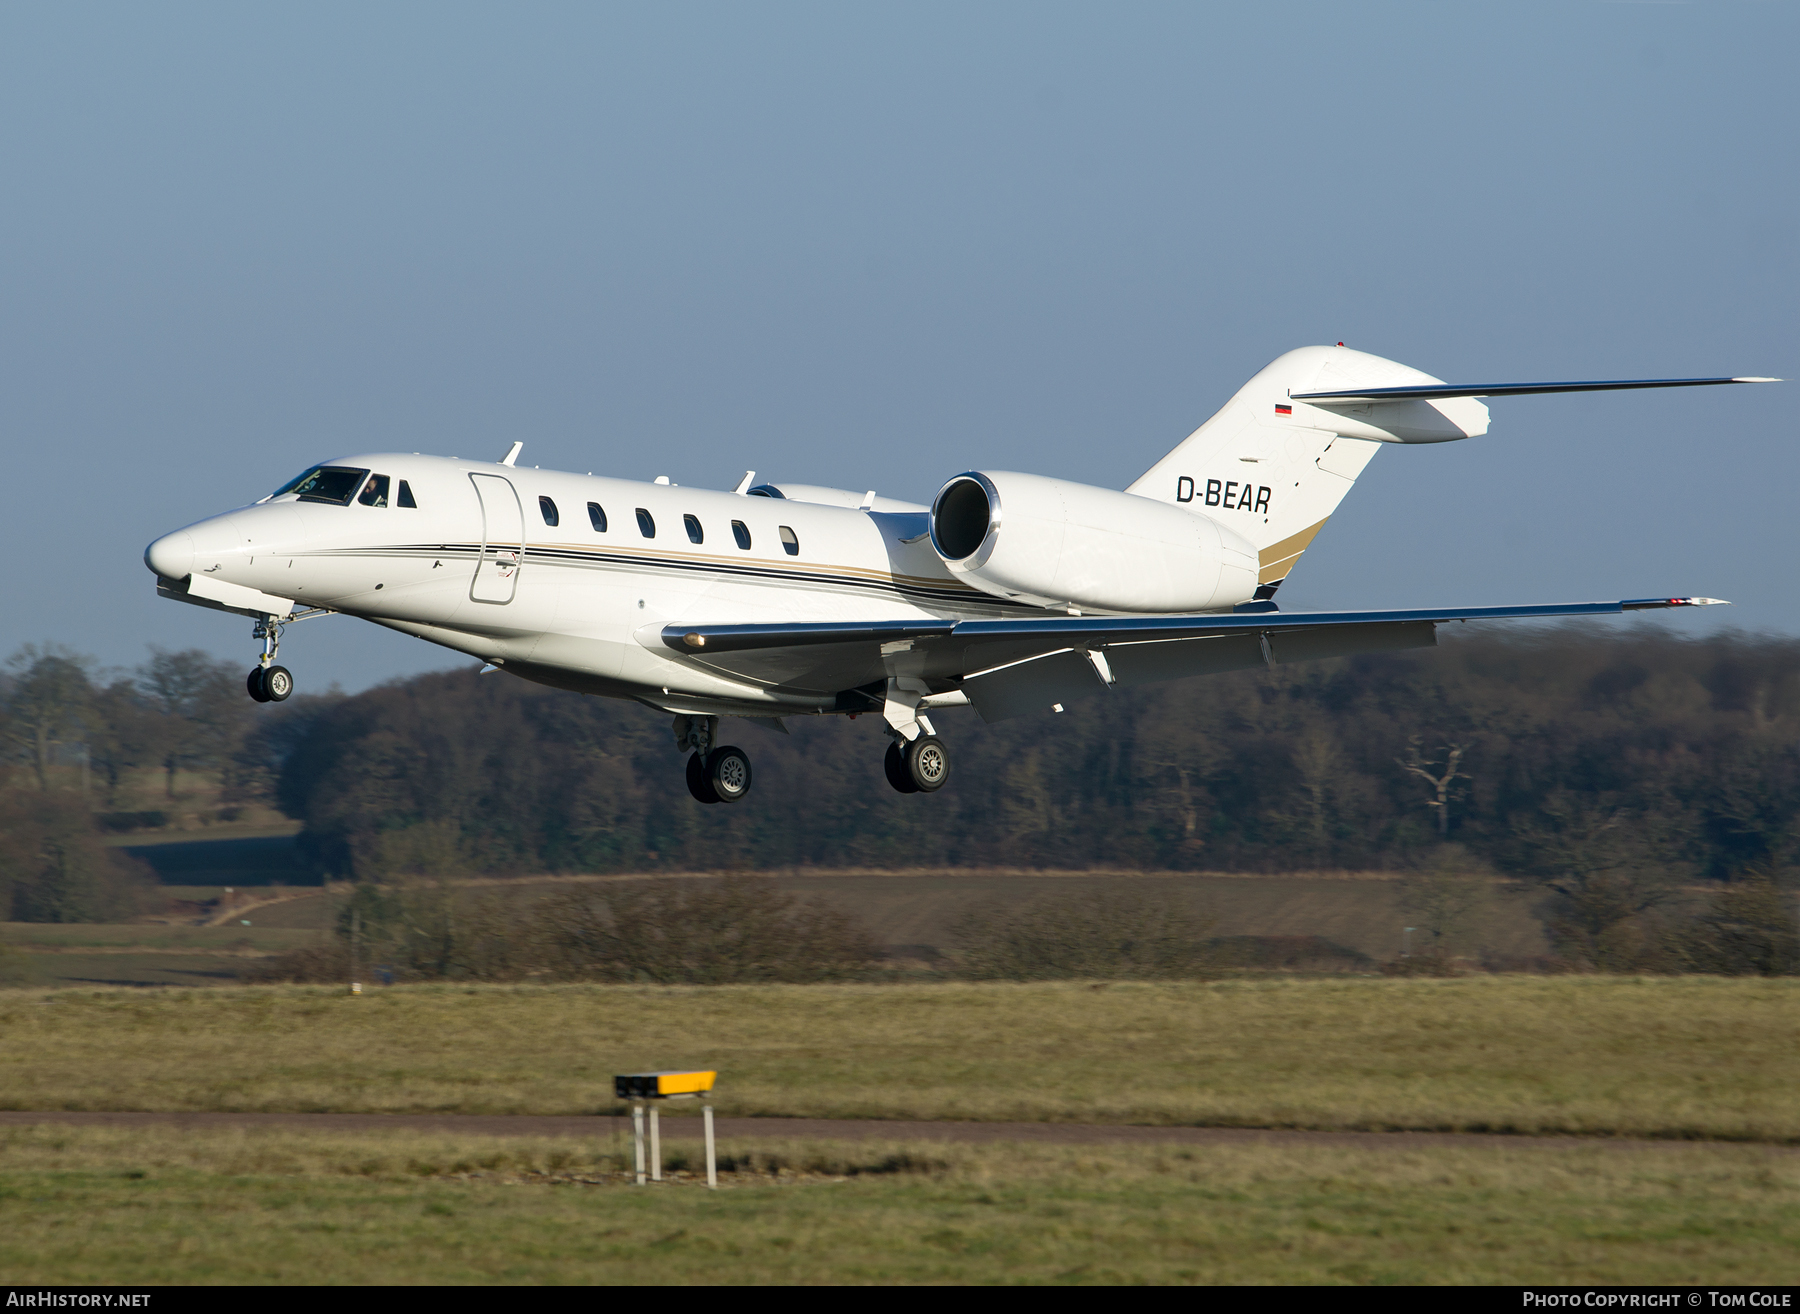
(712, 1162)
(655, 1146)
(637, 1136)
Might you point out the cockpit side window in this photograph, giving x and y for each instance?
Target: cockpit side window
(335, 484)
(406, 497)
(375, 492)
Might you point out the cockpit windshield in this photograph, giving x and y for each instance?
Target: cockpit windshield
(335, 484)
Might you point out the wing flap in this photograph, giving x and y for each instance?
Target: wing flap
(1041, 685)
(991, 659)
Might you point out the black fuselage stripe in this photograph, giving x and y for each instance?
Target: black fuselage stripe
(744, 570)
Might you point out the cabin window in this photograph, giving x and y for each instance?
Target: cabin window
(790, 542)
(741, 533)
(406, 497)
(547, 509)
(695, 533)
(597, 517)
(646, 525)
(375, 492)
(335, 484)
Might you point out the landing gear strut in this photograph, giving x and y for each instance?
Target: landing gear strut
(267, 682)
(714, 775)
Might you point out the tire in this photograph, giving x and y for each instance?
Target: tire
(698, 785)
(253, 684)
(728, 772)
(278, 684)
(928, 763)
(895, 766)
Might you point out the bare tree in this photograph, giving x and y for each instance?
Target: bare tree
(47, 702)
(1608, 868)
(1444, 900)
(1319, 763)
(1427, 770)
(200, 703)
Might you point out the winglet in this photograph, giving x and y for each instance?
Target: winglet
(743, 488)
(1651, 604)
(512, 455)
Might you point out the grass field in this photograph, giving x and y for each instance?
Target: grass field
(1656, 1057)
(77, 954)
(99, 1205)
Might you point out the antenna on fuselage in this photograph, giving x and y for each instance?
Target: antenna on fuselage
(512, 455)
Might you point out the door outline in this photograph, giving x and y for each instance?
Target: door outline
(502, 555)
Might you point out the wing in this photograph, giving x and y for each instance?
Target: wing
(1009, 667)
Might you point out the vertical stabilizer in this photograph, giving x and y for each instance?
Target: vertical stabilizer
(1274, 469)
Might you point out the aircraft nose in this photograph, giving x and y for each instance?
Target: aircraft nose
(172, 555)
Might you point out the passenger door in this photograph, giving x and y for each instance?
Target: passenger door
(502, 540)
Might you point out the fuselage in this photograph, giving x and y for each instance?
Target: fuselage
(514, 567)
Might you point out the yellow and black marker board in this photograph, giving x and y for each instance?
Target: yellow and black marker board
(661, 1085)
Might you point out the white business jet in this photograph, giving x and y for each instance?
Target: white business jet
(1010, 593)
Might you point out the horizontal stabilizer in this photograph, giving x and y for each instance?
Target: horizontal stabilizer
(1438, 391)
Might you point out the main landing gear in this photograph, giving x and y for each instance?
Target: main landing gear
(714, 775)
(917, 761)
(267, 682)
(917, 767)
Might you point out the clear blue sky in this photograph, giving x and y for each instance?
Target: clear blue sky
(876, 245)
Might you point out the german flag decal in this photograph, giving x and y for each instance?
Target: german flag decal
(1283, 410)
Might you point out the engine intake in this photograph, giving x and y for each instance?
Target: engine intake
(1072, 545)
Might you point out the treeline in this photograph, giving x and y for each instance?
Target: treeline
(73, 733)
(1567, 750)
(63, 718)
(1647, 786)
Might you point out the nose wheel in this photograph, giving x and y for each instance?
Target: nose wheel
(722, 776)
(918, 767)
(270, 684)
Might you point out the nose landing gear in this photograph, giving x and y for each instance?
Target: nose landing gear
(267, 682)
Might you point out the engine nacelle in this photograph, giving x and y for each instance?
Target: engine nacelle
(1060, 544)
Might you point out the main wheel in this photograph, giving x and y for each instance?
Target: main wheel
(278, 683)
(728, 772)
(928, 763)
(895, 766)
(253, 683)
(698, 785)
